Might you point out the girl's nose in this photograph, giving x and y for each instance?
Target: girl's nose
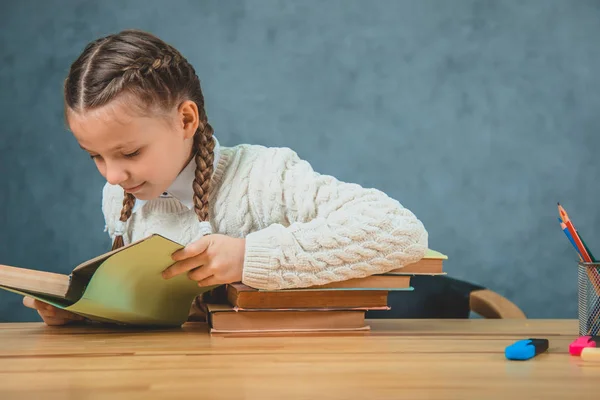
(115, 175)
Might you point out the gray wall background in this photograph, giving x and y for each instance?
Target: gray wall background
(477, 115)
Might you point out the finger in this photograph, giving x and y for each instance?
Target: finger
(36, 304)
(184, 266)
(192, 249)
(49, 311)
(198, 274)
(40, 305)
(53, 321)
(58, 313)
(28, 302)
(209, 281)
(46, 313)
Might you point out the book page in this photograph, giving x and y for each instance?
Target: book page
(128, 287)
(433, 255)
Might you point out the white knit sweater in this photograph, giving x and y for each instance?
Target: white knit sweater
(301, 228)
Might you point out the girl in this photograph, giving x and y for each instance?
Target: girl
(248, 213)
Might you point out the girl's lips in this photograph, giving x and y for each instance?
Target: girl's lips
(134, 188)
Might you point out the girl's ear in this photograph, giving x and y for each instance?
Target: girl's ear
(188, 118)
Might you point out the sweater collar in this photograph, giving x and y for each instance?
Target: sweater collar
(181, 188)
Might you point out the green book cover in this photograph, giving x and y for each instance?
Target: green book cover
(125, 286)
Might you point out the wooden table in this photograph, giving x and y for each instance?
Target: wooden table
(398, 359)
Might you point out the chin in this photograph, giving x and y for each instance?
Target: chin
(145, 196)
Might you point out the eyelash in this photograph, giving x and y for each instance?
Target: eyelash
(135, 153)
(130, 155)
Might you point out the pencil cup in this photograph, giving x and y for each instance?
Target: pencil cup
(588, 294)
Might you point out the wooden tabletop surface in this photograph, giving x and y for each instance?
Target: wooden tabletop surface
(397, 359)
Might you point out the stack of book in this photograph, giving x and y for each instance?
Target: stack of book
(339, 306)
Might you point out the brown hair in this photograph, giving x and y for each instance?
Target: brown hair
(138, 63)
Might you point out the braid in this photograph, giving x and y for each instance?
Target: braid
(203, 150)
(128, 203)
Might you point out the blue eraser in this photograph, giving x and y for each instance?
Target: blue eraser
(526, 349)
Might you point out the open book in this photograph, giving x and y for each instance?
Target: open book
(123, 286)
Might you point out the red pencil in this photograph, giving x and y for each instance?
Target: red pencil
(565, 217)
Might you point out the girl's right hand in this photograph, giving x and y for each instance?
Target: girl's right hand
(51, 315)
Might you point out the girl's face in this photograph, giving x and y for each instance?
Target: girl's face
(143, 155)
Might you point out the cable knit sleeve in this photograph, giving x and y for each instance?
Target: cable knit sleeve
(316, 229)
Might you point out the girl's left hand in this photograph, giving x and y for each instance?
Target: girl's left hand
(211, 260)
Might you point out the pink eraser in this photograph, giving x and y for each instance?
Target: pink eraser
(581, 343)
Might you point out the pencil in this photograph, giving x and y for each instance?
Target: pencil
(571, 228)
(566, 231)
